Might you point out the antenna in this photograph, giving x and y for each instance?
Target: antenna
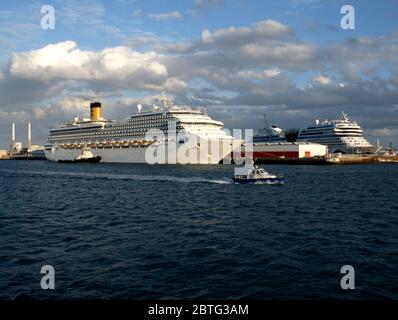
(266, 121)
(165, 101)
(267, 128)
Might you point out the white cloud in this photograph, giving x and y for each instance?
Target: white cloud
(170, 85)
(267, 73)
(174, 15)
(322, 80)
(263, 30)
(288, 52)
(65, 61)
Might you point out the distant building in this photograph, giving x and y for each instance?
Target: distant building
(17, 147)
(4, 154)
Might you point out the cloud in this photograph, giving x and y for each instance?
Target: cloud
(266, 44)
(289, 55)
(298, 3)
(118, 67)
(250, 74)
(87, 15)
(360, 56)
(174, 15)
(321, 80)
(385, 132)
(19, 26)
(261, 66)
(263, 30)
(138, 13)
(206, 4)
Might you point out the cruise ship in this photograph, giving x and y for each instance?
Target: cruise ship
(341, 135)
(166, 134)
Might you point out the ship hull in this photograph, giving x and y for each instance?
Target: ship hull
(286, 150)
(212, 153)
(96, 159)
(277, 180)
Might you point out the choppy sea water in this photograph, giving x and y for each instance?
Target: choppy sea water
(115, 231)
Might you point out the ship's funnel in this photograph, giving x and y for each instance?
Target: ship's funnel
(95, 111)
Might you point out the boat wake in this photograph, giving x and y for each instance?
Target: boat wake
(276, 183)
(110, 176)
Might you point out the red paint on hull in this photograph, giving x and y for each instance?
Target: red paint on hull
(275, 154)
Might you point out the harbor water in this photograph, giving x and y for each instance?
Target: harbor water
(115, 231)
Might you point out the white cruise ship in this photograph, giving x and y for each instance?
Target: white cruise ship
(342, 135)
(167, 134)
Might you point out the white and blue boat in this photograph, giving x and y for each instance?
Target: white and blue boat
(256, 175)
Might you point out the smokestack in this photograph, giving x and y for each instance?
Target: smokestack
(13, 137)
(95, 111)
(29, 137)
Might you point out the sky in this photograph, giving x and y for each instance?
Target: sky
(239, 59)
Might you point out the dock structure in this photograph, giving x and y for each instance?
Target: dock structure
(363, 159)
(345, 159)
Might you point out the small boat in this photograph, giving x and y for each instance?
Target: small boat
(86, 156)
(255, 174)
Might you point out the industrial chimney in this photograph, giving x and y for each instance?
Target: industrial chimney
(29, 137)
(95, 111)
(13, 138)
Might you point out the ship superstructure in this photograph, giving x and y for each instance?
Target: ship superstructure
(342, 135)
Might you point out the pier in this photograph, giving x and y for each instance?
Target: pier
(345, 159)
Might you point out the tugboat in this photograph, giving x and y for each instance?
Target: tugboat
(86, 156)
(254, 174)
